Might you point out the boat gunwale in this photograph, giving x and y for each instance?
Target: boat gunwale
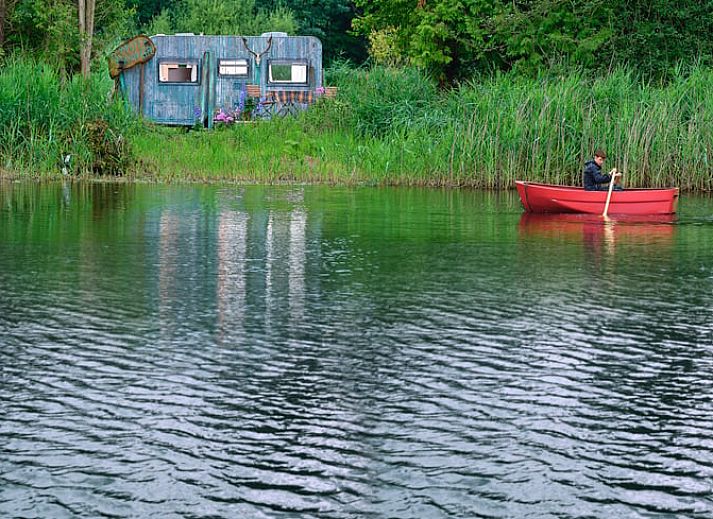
(580, 188)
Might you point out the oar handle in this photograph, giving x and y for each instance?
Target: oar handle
(613, 174)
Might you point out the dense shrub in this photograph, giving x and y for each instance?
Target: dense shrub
(490, 131)
(43, 118)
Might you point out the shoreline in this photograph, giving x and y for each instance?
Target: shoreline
(386, 127)
(129, 179)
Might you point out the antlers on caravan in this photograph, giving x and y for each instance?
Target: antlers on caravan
(257, 55)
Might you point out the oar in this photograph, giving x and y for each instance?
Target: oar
(613, 174)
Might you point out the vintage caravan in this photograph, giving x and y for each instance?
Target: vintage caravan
(187, 79)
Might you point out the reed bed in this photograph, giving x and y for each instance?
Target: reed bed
(392, 126)
(489, 132)
(44, 117)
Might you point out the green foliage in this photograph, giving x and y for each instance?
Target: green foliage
(111, 154)
(549, 33)
(655, 35)
(330, 21)
(391, 126)
(162, 23)
(453, 40)
(382, 48)
(280, 19)
(49, 29)
(456, 38)
(146, 10)
(401, 97)
(441, 36)
(221, 17)
(43, 118)
(114, 21)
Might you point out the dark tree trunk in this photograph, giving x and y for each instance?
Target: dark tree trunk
(3, 16)
(86, 30)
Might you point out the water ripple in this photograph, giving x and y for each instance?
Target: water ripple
(300, 357)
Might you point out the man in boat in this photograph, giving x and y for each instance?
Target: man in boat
(594, 179)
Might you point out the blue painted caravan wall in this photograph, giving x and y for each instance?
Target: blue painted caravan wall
(181, 103)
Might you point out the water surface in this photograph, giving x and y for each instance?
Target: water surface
(240, 351)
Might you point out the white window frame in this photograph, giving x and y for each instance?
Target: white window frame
(296, 64)
(166, 65)
(239, 67)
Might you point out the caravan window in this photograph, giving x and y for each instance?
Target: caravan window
(290, 72)
(233, 67)
(174, 71)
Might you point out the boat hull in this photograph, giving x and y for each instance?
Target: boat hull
(546, 198)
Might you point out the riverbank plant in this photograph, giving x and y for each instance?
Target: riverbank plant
(391, 126)
(388, 126)
(45, 118)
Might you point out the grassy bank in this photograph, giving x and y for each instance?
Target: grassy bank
(45, 117)
(395, 127)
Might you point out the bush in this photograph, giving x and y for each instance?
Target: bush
(492, 130)
(44, 118)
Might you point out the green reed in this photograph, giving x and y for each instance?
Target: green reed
(44, 116)
(487, 133)
(391, 126)
(395, 127)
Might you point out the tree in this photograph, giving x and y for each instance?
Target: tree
(146, 10)
(331, 22)
(221, 17)
(46, 28)
(3, 17)
(655, 35)
(86, 33)
(545, 33)
(443, 36)
(453, 38)
(57, 31)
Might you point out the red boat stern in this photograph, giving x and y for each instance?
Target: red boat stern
(522, 191)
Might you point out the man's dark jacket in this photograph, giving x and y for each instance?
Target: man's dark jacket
(593, 177)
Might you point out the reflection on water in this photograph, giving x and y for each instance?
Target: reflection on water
(232, 270)
(263, 254)
(655, 229)
(324, 352)
(298, 233)
(600, 235)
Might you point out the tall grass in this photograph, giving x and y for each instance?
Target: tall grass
(394, 127)
(44, 117)
(657, 135)
(389, 126)
(489, 132)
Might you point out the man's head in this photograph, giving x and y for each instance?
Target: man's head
(599, 157)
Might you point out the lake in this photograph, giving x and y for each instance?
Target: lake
(314, 351)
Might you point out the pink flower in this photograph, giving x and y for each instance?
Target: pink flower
(222, 117)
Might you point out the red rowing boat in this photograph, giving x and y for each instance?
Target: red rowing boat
(546, 198)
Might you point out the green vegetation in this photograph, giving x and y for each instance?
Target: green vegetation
(455, 39)
(48, 30)
(456, 93)
(44, 118)
(387, 126)
(451, 39)
(224, 17)
(395, 127)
